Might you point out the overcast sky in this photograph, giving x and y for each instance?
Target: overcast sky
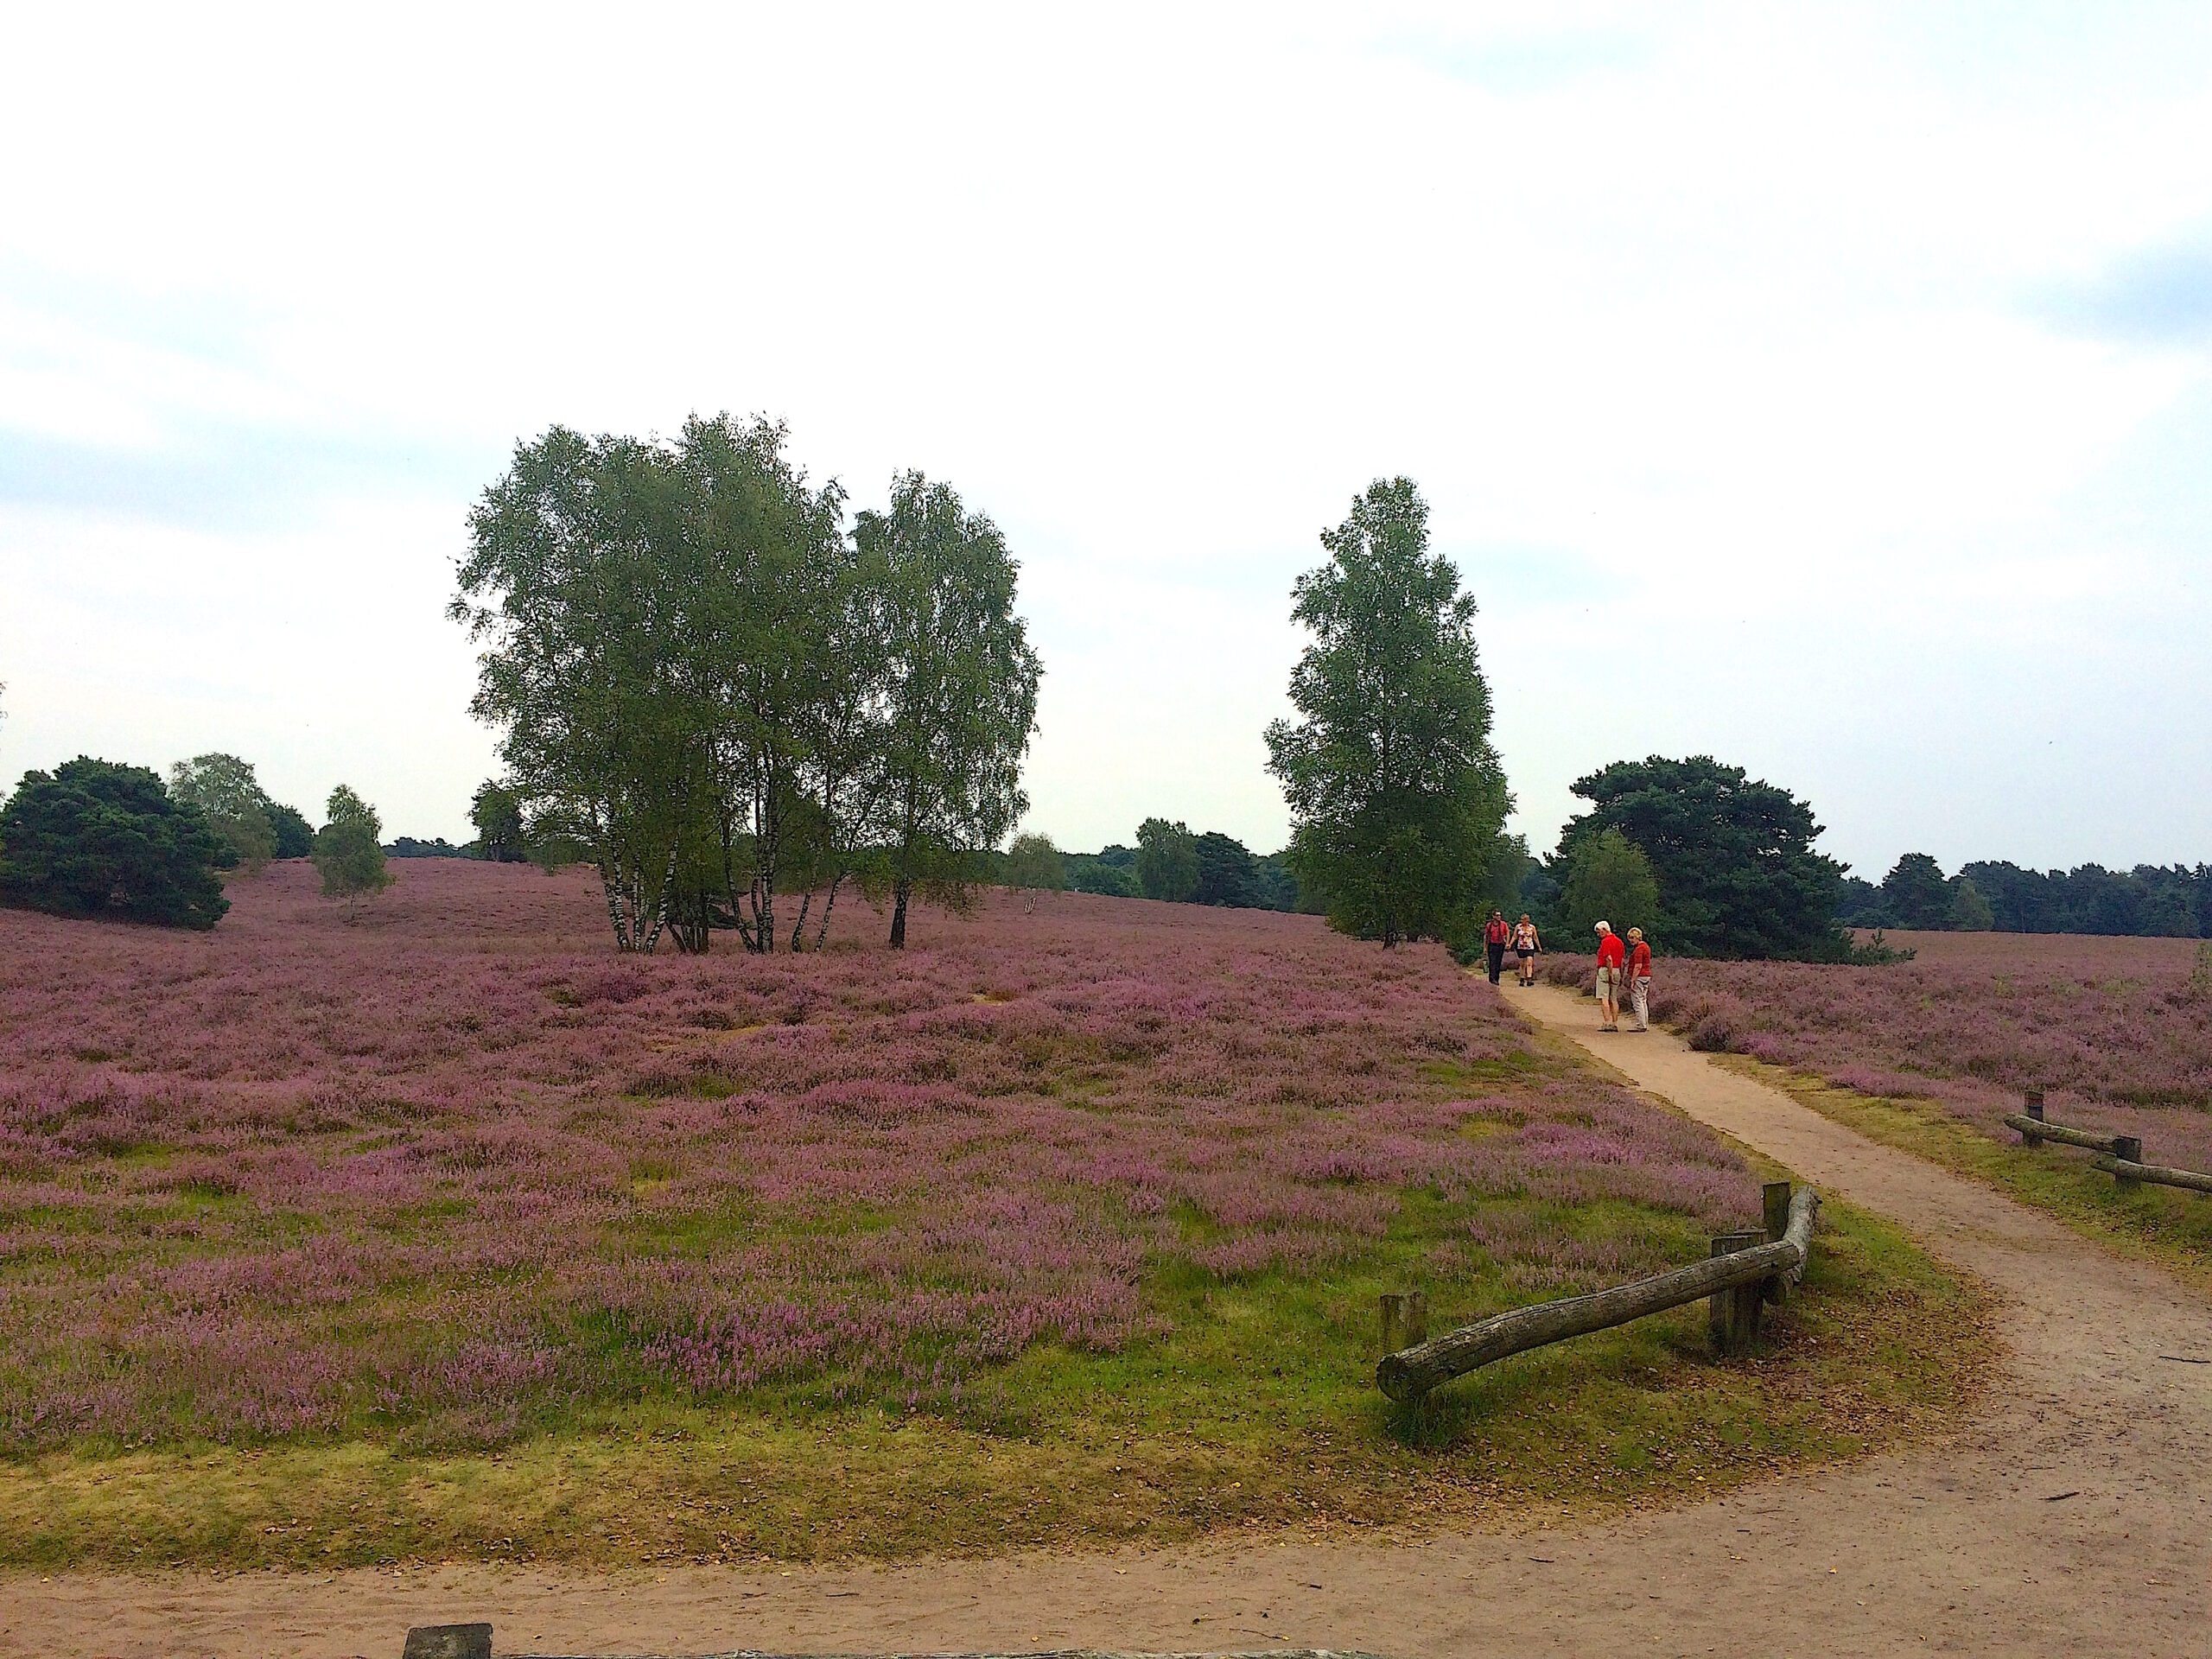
(1828, 391)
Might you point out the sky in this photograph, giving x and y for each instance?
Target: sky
(1828, 390)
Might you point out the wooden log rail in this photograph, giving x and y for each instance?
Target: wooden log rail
(474, 1642)
(2128, 1169)
(2034, 1131)
(2120, 1155)
(1740, 1274)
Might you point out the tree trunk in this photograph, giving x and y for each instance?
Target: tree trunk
(898, 914)
(829, 906)
(798, 928)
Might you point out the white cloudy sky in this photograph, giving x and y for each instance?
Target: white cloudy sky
(1828, 390)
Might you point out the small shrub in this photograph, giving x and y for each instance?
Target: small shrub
(1715, 1034)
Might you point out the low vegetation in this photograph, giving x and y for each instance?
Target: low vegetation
(445, 1233)
(1930, 1054)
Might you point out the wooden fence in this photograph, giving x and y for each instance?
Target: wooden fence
(474, 1642)
(1746, 1270)
(2119, 1155)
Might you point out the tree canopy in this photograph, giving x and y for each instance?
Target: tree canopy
(349, 849)
(93, 839)
(1396, 796)
(958, 687)
(1737, 873)
(701, 680)
(1609, 879)
(1167, 860)
(497, 813)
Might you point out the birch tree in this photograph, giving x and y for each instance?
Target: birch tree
(959, 691)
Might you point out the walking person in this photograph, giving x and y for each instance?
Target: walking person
(1495, 935)
(1526, 945)
(1639, 979)
(1611, 954)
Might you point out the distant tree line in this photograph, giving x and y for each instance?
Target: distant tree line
(95, 839)
(2173, 902)
(723, 698)
(1167, 863)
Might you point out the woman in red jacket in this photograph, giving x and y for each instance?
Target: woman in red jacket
(1639, 979)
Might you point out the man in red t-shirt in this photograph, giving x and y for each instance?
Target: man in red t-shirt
(1639, 979)
(1611, 954)
(1494, 938)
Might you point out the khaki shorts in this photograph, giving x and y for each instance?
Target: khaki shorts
(1604, 982)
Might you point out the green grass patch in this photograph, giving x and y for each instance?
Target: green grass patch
(2159, 1224)
(1253, 1404)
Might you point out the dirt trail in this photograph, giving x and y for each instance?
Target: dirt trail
(2075, 1518)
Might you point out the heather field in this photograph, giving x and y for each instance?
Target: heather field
(2114, 1031)
(447, 1231)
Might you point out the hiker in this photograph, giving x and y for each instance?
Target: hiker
(1494, 938)
(1639, 979)
(1612, 954)
(1526, 945)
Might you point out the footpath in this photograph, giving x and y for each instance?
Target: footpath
(2074, 1516)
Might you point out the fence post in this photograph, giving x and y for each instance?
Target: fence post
(1405, 1320)
(448, 1642)
(2034, 1109)
(1776, 1197)
(1732, 1316)
(2126, 1149)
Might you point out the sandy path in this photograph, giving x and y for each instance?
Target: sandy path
(1967, 1548)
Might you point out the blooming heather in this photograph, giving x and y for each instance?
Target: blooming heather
(453, 1167)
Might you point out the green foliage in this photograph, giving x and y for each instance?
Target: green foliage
(2148, 901)
(1608, 880)
(1227, 873)
(1167, 860)
(1916, 892)
(2199, 975)
(1968, 912)
(959, 693)
(1733, 858)
(348, 849)
(1878, 952)
(1033, 864)
(1278, 884)
(1396, 795)
(295, 834)
(496, 811)
(1100, 873)
(97, 840)
(236, 808)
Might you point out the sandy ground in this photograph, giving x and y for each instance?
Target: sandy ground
(2075, 1518)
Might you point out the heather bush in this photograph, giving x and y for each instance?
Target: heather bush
(450, 1174)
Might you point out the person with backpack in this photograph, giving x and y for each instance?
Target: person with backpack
(1639, 979)
(1612, 956)
(1494, 938)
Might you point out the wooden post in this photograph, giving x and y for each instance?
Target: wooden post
(2028, 1137)
(2127, 1149)
(1777, 1196)
(448, 1642)
(1405, 1320)
(1733, 1315)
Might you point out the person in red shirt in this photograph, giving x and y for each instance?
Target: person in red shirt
(1639, 979)
(1612, 954)
(1494, 939)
